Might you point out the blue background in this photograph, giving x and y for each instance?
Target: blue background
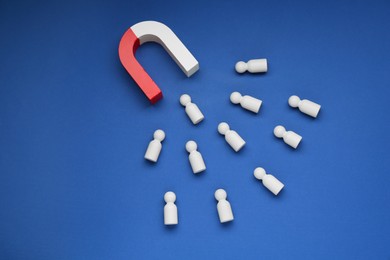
(74, 128)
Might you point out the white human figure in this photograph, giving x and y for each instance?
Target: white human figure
(191, 109)
(305, 106)
(247, 102)
(231, 137)
(291, 138)
(195, 157)
(253, 66)
(154, 147)
(170, 209)
(225, 212)
(269, 181)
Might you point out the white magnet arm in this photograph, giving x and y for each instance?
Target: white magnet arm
(152, 31)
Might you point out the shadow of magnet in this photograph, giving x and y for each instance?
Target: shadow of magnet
(151, 31)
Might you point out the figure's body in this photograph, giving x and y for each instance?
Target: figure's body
(269, 181)
(225, 212)
(155, 146)
(170, 209)
(247, 102)
(231, 137)
(191, 109)
(289, 137)
(252, 66)
(195, 157)
(305, 106)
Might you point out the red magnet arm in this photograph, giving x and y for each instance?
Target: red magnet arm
(127, 48)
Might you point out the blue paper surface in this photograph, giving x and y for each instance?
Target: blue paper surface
(74, 128)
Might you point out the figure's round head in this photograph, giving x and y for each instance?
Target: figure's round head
(185, 99)
(279, 131)
(293, 101)
(191, 146)
(220, 194)
(170, 197)
(235, 97)
(223, 128)
(259, 173)
(241, 67)
(159, 135)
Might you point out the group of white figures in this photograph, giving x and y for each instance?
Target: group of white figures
(233, 139)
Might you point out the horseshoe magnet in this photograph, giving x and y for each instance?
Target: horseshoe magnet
(152, 31)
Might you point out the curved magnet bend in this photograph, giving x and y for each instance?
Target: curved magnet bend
(151, 31)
